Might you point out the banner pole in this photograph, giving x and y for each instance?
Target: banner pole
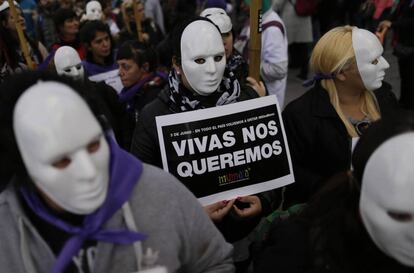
(22, 37)
(255, 42)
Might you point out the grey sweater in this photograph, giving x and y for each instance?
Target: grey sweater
(178, 228)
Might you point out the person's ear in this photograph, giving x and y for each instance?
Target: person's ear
(177, 65)
(341, 76)
(145, 67)
(176, 60)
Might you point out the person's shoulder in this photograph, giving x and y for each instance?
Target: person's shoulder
(304, 102)
(384, 90)
(385, 96)
(271, 16)
(158, 106)
(247, 93)
(8, 197)
(160, 185)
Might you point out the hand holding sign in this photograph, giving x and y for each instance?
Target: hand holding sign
(253, 206)
(219, 210)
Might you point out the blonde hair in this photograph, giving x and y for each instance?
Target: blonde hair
(332, 54)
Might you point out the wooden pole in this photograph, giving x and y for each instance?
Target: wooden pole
(137, 20)
(255, 43)
(22, 37)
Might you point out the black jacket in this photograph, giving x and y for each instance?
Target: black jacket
(318, 140)
(146, 147)
(113, 111)
(145, 143)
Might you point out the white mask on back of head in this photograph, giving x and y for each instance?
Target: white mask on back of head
(202, 56)
(219, 17)
(368, 53)
(94, 10)
(386, 202)
(62, 146)
(68, 63)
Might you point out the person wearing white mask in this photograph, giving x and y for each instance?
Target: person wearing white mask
(348, 94)
(68, 63)
(94, 10)
(274, 49)
(362, 222)
(198, 80)
(80, 203)
(234, 61)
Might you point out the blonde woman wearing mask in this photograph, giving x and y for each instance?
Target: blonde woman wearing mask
(348, 94)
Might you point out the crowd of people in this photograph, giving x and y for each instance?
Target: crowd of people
(83, 82)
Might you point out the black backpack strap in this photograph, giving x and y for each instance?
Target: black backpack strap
(274, 24)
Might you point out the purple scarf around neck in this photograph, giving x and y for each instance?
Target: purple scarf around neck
(127, 94)
(125, 172)
(92, 69)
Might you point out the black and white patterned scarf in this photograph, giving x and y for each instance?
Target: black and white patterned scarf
(235, 61)
(227, 92)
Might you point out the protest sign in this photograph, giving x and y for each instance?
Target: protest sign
(224, 152)
(111, 78)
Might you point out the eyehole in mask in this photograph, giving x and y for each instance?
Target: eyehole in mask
(400, 216)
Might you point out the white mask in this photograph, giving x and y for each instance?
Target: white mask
(94, 10)
(5, 5)
(202, 56)
(62, 146)
(219, 17)
(68, 63)
(388, 187)
(368, 53)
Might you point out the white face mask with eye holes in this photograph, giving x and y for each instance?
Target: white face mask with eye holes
(202, 56)
(68, 63)
(63, 147)
(368, 53)
(387, 203)
(94, 10)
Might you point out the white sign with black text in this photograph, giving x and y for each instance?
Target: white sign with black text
(223, 152)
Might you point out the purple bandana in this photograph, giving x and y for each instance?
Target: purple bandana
(318, 77)
(125, 172)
